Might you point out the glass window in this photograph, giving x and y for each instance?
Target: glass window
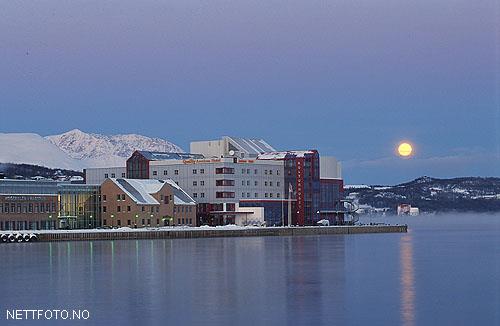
(195, 195)
(155, 172)
(113, 175)
(202, 171)
(256, 195)
(106, 175)
(176, 172)
(195, 183)
(202, 195)
(194, 171)
(202, 183)
(123, 175)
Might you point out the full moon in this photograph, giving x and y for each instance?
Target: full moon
(405, 149)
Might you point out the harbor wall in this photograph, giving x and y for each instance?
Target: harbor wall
(215, 233)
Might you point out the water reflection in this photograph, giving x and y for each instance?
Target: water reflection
(407, 281)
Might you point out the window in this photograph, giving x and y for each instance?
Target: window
(165, 172)
(271, 195)
(103, 197)
(278, 184)
(195, 183)
(194, 171)
(124, 175)
(149, 221)
(128, 208)
(256, 183)
(270, 183)
(195, 195)
(106, 175)
(155, 172)
(224, 170)
(248, 195)
(143, 221)
(118, 197)
(202, 195)
(255, 171)
(143, 208)
(113, 175)
(224, 182)
(270, 172)
(278, 195)
(277, 172)
(152, 209)
(224, 194)
(202, 183)
(202, 171)
(104, 209)
(104, 221)
(265, 195)
(123, 196)
(256, 195)
(128, 222)
(248, 182)
(242, 195)
(248, 171)
(243, 171)
(242, 182)
(176, 172)
(118, 209)
(119, 222)
(265, 172)
(265, 183)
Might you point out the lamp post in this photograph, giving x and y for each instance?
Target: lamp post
(112, 220)
(135, 224)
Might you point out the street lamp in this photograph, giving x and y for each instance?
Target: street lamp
(112, 220)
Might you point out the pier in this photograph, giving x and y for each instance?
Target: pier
(201, 232)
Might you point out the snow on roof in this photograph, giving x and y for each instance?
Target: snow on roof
(282, 155)
(250, 146)
(163, 156)
(140, 190)
(180, 196)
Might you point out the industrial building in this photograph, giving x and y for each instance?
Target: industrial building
(234, 180)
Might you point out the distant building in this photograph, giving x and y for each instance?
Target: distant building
(406, 209)
(145, 202)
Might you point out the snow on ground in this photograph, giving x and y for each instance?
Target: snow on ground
(170, 229)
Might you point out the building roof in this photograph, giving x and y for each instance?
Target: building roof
(180, 196)
(250, 146)
(141, 190)
(283, 155)
(163, 156)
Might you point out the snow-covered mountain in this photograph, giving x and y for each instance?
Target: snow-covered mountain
(76, 149)
(36, 150)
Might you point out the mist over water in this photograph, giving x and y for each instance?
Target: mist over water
(444, 271)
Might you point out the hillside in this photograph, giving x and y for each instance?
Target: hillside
(26, 171)
(76, 150)
(431, 195)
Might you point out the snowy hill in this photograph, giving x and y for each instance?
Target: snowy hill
(36, 150)
(82, 146)
(470, 194)
(76, 150)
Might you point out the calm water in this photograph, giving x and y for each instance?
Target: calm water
(445, 271)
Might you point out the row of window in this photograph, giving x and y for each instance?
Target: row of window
(183, 209)
(27, 208)
(113, 175)
(195, 195)
(180, 221)
(256, 195)
(129, 208)
(27, 225)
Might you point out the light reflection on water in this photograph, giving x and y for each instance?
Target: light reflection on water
(407, 282)
(378, 279)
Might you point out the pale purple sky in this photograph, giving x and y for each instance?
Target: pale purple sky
(350, 78)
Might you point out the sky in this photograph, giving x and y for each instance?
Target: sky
(349, 78)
